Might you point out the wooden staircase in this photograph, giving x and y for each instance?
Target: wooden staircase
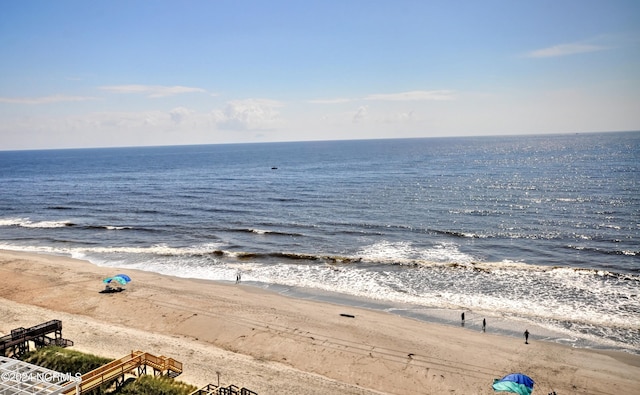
(135, 363)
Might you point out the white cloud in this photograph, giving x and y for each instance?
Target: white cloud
(331, 101)
(45, 99)
(377, 116)
(123, 120)
(564, 50)
(417, 95)
(400, 117)
(152, 91)
(413, 96)
(249, 114)
(361, 114)
(178, 114)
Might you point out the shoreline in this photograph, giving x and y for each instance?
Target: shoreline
(270, 342)
(500, 325)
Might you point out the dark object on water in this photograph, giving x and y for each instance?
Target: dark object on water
(274, 168)
(348, 315)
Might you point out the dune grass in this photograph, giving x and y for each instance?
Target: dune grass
(156, 385)
(64, 360)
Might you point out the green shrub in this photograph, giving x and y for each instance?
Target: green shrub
(156, 385)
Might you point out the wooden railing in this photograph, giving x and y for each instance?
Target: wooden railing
(128, 364)
(212, 389)
(20, 337)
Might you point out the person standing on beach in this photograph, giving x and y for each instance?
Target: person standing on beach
(526, 336)
(484, 324)
(238, 276)
(462, 317)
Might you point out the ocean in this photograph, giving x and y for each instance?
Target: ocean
(528, 232)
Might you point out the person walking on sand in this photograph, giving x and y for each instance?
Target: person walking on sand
(462, 317)
(238, 276)
(484, 324)
(526, 336)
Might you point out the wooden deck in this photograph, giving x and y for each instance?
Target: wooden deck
(17, 342)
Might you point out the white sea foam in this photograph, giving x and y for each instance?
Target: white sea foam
(27, 223)
(408, 253)
(156, 250)
(11, 221)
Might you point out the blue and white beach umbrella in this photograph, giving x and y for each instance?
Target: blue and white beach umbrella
(118, 279)
(516, 383)
(124, 276)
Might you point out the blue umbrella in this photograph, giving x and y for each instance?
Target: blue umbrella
(516, 383)
(126, 278)
(115, 279)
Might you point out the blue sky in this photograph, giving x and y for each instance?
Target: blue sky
(123, 73)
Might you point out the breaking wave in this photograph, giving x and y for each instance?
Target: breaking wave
(27, 223)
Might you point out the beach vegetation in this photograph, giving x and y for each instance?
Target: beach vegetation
(77, 363)
(156, 385)
(64, 360)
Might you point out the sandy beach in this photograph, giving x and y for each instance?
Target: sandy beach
(271, 344)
